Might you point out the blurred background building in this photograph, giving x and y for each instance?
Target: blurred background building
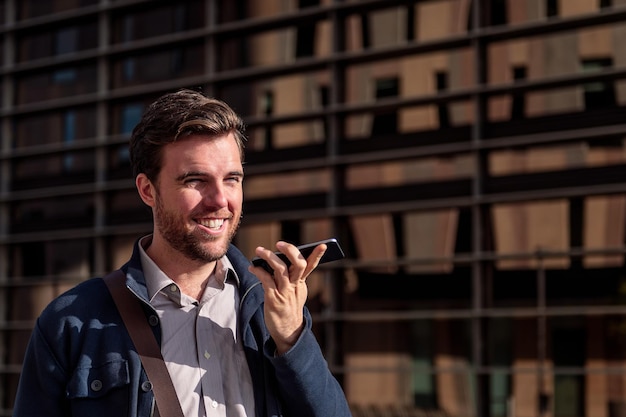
(469, 156)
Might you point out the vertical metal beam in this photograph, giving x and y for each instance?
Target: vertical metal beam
(478, 328)
(101, 166)
(542, 400)
(333, 279)
(8, 51)
(210, 57)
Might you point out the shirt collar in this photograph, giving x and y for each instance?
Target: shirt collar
(157, 280)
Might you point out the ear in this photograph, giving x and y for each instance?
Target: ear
(146, 189)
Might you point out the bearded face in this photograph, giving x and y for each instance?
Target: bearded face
(194, 243)
(197, 198)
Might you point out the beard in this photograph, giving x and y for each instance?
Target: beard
(192, 244)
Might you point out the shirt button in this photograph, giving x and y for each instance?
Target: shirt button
(153, 320)
(96, 385)
(214, 404)
(173, 288)
(146, 386)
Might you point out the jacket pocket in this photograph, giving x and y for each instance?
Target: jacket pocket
(100, 390)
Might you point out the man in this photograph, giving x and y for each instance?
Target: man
(236, 340)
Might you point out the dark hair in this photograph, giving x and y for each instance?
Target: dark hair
(176, 115)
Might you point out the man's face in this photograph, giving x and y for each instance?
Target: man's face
(198, 196)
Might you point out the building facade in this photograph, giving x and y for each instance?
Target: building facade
(469, 155)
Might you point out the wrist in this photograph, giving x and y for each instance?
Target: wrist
(285, 344)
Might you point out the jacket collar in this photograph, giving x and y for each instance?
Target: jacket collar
(250, 289)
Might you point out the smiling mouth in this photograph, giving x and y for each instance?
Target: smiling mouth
(213, 224)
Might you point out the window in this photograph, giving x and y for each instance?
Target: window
(118, 159)
(598, 94)
(410, 22)
(305, 35)
(128, 69)
(442, 108)
(606, 4)
(497, 12)
(131, 114)
(518, 103)
(267, 106)
(424, 381)
(69, 135)
(64, 76)
(160, 20)
(27, 129)
(29, 259)
(324, 94)
(126, 207)
(57, 83)
(568, 350)
(27, 9)
(386, 122)
(365, 30)
(52, 214)
(154, 66)
(68, 39)
(51, 170)
(552, 8)
(500, 351)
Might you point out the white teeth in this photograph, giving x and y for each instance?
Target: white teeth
(212, 223)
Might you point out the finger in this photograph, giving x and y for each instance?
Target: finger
(290, 271)
(314, 259)
(279, 271)
(264, 273)
(265, 277)
(291, 252)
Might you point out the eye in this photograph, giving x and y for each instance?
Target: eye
(234, 179)
(193, 181)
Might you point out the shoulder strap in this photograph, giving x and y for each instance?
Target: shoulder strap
(146, 345)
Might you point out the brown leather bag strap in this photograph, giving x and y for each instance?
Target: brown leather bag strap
(146, 345)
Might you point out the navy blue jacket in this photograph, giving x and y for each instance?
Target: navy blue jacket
(80, 360)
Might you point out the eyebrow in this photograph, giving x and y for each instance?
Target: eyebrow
(189, 174)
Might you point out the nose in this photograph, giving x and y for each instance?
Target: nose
(216, 197)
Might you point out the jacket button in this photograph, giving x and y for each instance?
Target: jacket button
(146, 386)
(96, 385)
(153, 320)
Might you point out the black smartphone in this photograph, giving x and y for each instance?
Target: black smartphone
(333, 253)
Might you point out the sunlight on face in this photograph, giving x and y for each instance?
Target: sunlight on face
(198, 196)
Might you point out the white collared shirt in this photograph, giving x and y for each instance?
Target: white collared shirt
(201, 344)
